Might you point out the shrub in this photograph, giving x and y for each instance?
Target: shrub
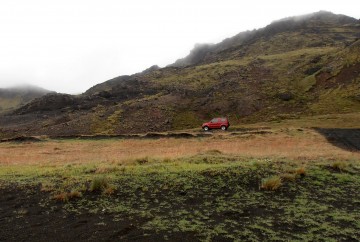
(99, 184)
(271, 183)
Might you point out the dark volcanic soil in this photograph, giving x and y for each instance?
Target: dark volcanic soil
(27, 215)
(221, 205)
(348, 139)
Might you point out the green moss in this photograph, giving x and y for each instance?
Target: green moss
(337, 100)
(195, 78)
(104, 123)
(307, 83)
(115, 118)
(7, 104)
(186, 119)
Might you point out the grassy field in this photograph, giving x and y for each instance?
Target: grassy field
(276, 183)
(291, 143)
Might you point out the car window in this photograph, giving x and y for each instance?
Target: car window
(214, 120)
(223, 120)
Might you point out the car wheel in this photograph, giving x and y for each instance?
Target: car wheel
(206, 128)
(223, 128)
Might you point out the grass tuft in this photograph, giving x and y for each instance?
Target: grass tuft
(66, 196)
(271, 183)
(74, 194)
(46, 187)
(62, 197)
(99, 184)
(300, 171)
(109, 190)
(339, 165)
(288, 177)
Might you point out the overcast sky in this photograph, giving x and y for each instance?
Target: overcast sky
(70, 45)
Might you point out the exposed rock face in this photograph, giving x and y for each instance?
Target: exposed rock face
(150, 69)
(286, 96)
(49, 102)
(196, 55)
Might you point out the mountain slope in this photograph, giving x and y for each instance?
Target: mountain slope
(293, 67)
(312, 30)
(12, 98)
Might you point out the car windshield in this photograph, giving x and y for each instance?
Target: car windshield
(214, 120)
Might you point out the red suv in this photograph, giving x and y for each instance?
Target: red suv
(217, 123)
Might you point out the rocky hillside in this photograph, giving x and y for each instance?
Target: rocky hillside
(293, 67)
(15, 97)
(312, 30)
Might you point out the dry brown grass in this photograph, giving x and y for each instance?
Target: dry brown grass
(106, 169)
(46, 187)
(142, 161)
(61, 197)
(300, 171)
(308, 146)
(109, 190)
(66, 196)
(288, 177)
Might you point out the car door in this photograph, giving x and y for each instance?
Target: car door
(223, 122)
(218, 123)
(213, 123)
